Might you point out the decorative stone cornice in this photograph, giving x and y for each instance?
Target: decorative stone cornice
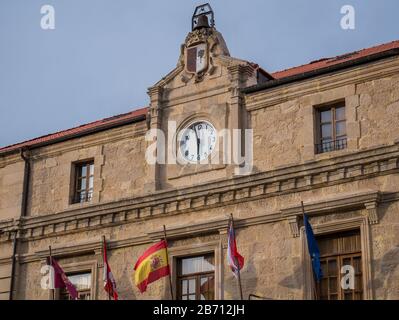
(348, 201)
(294, 226)
(356, 166)
(165, 80)
(57, 252)
(342, 203)
(239, 74)
(218, 226)
(7, 260)
(372, 211)
(190, 230)
(368, 200)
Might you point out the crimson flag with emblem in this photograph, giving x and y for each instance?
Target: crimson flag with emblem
(109, 280)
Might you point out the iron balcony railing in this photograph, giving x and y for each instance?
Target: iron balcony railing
(331, 145)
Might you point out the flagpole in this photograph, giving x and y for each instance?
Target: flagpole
(52, 274)
(315, 284)
(237, 264)
(167, 261)
(105, 268)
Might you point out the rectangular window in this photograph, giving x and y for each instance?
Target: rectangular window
(196, 278)
(337, 251)
(84, 180)
(82, 283)
(331, 128)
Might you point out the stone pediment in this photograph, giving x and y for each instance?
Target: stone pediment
(209, 45)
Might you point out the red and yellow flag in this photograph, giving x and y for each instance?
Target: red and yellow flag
(151, 266)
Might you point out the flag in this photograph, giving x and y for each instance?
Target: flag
(234, 259)
(151, 266)
(313, 248)
(109, 280)
(60, 279)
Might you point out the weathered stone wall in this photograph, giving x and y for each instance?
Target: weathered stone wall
(273, 256)
(385, 253)
(124, 170)
(5, 269)
(11, 180)
(119, 169)
(273, 266)
(372, 113)
(378, 111)
(281, 129)
(277, 132)
(28, 280)
(337, 188)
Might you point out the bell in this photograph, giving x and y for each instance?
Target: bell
(202, 22)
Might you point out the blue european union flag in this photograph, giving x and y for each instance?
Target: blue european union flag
(313, 248)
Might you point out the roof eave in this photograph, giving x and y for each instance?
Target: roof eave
(75, 135)
(322, 71)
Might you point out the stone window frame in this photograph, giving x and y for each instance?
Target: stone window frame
(98, 160)
(359, 223)
(318, 109)
(197, 277)
(75, 177)
(214, 247)
(346, 93)
(81, 267)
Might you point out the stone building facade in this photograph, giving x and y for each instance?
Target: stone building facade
(326, 133)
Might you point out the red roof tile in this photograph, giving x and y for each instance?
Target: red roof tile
(86, 128)
(326, 62)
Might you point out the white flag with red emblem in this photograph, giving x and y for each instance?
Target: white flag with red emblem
(109, 281)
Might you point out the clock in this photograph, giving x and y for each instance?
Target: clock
(197, 141)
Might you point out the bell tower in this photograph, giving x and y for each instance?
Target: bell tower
(201, 46)
(199, 99)
(203, 17)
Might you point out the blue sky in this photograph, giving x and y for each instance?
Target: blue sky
(104, 54)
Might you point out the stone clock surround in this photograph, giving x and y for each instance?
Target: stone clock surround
(219, 120)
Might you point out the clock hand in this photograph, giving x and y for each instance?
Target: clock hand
(198, 143)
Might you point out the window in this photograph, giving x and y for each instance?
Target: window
(82, 283)
(331, 124)
(84, 178)
(336, 251)
(196, 278)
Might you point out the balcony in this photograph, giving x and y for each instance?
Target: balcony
(331, 146)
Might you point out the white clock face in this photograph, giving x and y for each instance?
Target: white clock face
(197, 141)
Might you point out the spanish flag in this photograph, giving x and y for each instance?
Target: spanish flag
(151, 266)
